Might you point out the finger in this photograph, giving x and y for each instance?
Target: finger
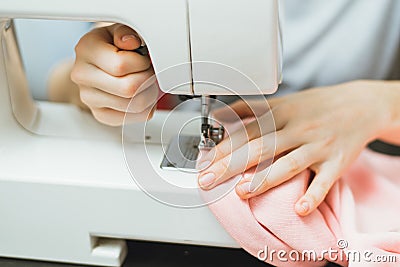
(241, 109)
(113, 117)
(144, 99)
(244, 109)
(95, 98)
(90, 76)
(280, 171)
(318, 189)
(246, 157)
(125, 38)
(261, 126)
(96, 48)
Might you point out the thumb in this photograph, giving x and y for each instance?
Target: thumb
(125, 38)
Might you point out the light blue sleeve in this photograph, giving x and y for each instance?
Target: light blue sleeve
(44, 43)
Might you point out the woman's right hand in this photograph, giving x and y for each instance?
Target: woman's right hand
(109, 75)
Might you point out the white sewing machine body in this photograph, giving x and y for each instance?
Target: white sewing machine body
(65, 191)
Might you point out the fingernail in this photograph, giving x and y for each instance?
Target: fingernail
(206, 180)
(203, 165)
(244, 188)
(129, 37)
(302, 207)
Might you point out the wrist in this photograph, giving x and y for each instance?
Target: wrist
(389, 93)
(381, 111)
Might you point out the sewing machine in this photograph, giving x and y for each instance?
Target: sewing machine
(66, 193)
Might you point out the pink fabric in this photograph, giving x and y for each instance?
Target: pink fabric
(362, 208)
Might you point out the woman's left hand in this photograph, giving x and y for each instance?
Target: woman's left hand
(322, 129)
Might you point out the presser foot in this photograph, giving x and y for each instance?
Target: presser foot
(211, 136)
(182, 153)
(183, 150)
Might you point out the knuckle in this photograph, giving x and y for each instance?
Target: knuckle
(85, 42)
(121, 105)
(137, 105)
(256, 148)
(98, 115)
(224, 165)
(294, 164)
(76, 75)
(79, 46)
(119, 66)
(328, 140)
(118, 29)
(146, 63)
(267, 146)
(129, 87)
(310, 130)
(142, 63)
(323, 186)
(341, 159)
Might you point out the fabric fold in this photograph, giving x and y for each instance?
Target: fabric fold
(359, 218)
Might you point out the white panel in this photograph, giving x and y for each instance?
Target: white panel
(162, 24)
(241, 34)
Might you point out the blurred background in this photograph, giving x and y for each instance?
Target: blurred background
(44, 44)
